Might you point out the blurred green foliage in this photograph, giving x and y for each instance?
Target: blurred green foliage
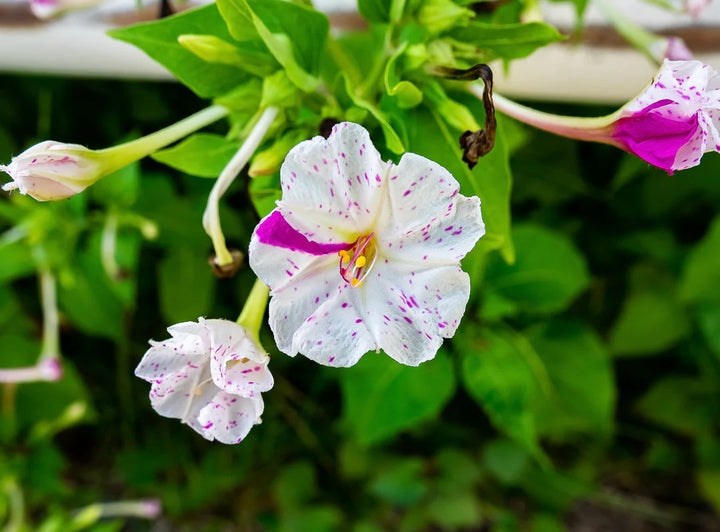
(581, 390)
(583, 381)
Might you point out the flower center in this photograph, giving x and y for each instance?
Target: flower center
(356, 262)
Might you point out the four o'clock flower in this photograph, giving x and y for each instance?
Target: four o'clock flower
(54, 170)
(671, 124)
(362, 254)
(210, 374)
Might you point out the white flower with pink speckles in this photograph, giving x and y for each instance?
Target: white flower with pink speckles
(209, 375)
(676, 119)
(363, 255)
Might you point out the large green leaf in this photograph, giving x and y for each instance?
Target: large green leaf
(701, 273)
(202, 155)
(498, 372)
(650, 321)
(686, 405)
(186, 285)
(549, 272)
(508, 41)
(159, 40)
(582, 398)
(383, 398)
(295, 35)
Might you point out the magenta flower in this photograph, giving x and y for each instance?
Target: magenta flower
(671, 124)
(362, 255)
(209, 375)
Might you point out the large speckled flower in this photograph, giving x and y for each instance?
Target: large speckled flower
(362, 255)
(675, 120)
(209, 375)
(670, 124)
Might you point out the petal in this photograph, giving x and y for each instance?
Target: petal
(331, 188)
(228, 418)
(189, 337)
(296, 299)
(444, 237)
(683, 82)
(247, 379)
(182, 393)
(336, 333)
(411, 308)
(164, 359)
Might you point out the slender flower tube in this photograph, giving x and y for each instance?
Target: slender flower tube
(48, 366)
(362, 255)
(47, 369)
(211, 216)
(671, 124)
(210, 374)
(54, 170)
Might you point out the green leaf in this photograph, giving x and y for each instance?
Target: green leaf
(506, 460)
(701, 273)
(709, 320)
(295, 35)
(201, 155)
(392, 140)
(583, 393)
(186, 285)
(548, 274)
(708, 481)
(159, 40)
(401, 482)
(651, 320)
(686, 405)
(497, 374)
(406, 92)
(507, 41)
(375, 10)
(383, 398)
(17, 260)
(88, 298)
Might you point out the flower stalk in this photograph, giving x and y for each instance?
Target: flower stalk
(211, 216)
(251, 316)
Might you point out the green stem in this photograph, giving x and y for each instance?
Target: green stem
(108, 245)
(51, 321)
(251, 317)
(123, 154)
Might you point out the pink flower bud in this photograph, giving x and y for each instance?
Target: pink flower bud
(53, 170)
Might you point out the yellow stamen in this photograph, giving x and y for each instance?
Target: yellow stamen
(361, 261)
(245, 360)
(355, 282)
(344, 255)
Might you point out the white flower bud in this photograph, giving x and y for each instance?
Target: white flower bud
(53, 170)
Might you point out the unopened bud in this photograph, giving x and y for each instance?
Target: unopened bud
(45, 9)
(268, 161)
(53, 170)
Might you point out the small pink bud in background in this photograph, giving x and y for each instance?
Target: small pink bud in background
(53, 170)
(672, 48)
(695, 7)
(46, 9)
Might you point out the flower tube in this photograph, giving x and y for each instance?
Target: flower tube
(362, 255)
(670, 125)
